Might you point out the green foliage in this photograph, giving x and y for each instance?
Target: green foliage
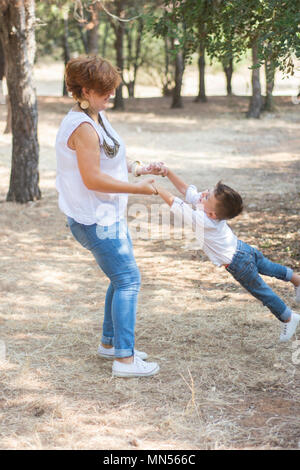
(228, 28)
(272, 24)
(50, 29)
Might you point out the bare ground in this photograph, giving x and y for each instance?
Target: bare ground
(225, 382)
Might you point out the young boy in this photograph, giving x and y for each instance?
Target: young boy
(210, 211)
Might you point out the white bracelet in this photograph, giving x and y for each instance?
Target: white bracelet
(135, 166)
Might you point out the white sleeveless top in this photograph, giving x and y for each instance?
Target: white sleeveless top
(75, 199)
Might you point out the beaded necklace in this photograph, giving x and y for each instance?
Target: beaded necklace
(110, 150)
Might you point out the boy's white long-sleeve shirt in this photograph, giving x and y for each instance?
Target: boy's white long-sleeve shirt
(215, 236)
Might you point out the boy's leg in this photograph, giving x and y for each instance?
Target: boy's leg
(245, 270)
(269, 268)
(260, 290)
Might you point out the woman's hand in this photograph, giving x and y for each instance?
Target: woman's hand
(154, 168)
(146, 187)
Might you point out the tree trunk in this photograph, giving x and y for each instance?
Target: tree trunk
(17, 19)
(2, 62)
(93, 30)
(256, 99)
(270, 79)
(179, 69)
(83, 37)
(130, 88)
(2, 97)
(8, 127)
(201, 67)
(134, 39)
(119, 32)
(167, 81)
(104, 40)
(228, 70)
(66, 49)
(2, 73)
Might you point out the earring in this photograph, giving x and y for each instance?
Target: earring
(84, 104)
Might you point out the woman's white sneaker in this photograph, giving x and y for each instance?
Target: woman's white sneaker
(110, 353)
(137, 368)
(289, 328)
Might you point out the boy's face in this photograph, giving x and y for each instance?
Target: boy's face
(209, 203)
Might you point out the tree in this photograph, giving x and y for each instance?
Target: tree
(255, 105)
(2, 73)
(228, 70)
(201, 67)
(17, 22)
(169, 25)
(65, 43)
(270, 80)
(118, 28)
(188, 23)
(203, 17)
(133, 59)
(58, 33)
(233, 27)
(179, 70)
(270, 28)
(127, 23)
(168, 76)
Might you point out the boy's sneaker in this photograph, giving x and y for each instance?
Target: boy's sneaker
(137, 368)
(289, 328)
(110, 353)
(297, 294)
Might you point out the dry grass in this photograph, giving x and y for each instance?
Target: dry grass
(225, 382)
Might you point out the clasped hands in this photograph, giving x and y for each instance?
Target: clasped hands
(154, 168)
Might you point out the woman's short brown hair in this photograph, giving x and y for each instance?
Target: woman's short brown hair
(229, 202)
(93, 73)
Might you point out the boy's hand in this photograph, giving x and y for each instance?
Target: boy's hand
(154, 168)
(164, 194)
(164, 171)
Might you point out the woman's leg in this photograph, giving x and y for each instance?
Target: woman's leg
(108, 327)
(114, 255)
(124, 306)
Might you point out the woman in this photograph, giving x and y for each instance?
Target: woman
(92, 181)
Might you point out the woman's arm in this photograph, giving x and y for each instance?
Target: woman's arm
(85, 142)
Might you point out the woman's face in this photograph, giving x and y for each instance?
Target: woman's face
(97, 101)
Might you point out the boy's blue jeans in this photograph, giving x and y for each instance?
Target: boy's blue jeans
(112, 249)
(246, 265)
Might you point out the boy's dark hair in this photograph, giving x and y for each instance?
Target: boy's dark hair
(230, 203)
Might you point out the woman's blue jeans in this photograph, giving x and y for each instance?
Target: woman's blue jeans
(112, 249)
(245, 267)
